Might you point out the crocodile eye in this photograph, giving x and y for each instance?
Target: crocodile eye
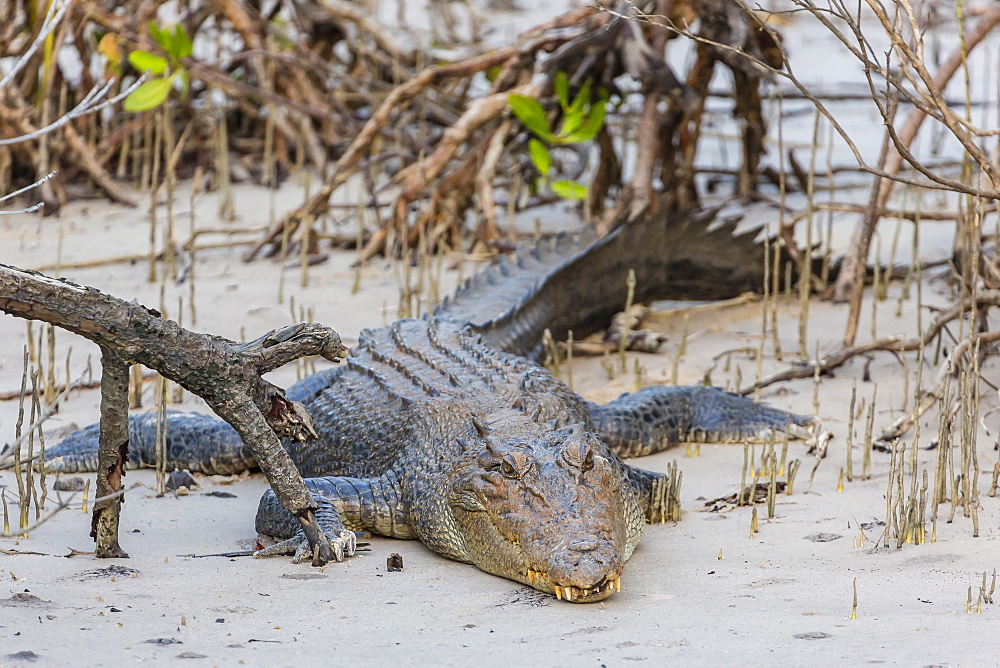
(580, 454)
(508, 469)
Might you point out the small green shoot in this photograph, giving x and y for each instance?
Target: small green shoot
(165, 71)
(582, 118)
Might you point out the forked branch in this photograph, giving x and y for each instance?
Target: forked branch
(226, 375)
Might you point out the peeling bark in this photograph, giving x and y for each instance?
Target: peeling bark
(112, 454)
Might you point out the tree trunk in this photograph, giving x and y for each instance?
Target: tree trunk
(112, 454)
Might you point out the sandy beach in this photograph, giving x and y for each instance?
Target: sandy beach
(697, 591)
(701, 591)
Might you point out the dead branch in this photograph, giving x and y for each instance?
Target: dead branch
(648, 132)
(61, 506)
(93, 168)
(479, 112)
(911, 215)
(484, 182)
(889, 344)
(317, 205)
(226, 375)
(936, 182)
(849, 285)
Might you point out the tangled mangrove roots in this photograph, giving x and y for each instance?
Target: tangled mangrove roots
(251, 90)
(486, 150)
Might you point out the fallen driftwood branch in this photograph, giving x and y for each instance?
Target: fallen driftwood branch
(226, 375)
(622, 334)
(889, 344)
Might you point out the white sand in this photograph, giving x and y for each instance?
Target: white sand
(778, 597)
(679, 602)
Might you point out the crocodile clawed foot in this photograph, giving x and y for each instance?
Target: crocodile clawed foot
(813, 434)
(791, 430)
(344, 544)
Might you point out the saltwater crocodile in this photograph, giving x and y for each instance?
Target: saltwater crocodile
(446, 430)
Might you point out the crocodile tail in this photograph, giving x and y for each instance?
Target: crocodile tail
(577, 282)
(194, 441)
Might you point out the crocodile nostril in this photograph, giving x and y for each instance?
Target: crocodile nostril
(583, 545)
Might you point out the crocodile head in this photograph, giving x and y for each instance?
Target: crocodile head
(548, 509)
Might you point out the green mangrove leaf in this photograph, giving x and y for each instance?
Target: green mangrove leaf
(562, 89)
(593, 125)
(530, 112)
(540, 156)
(147, 62)
(580, 102)
(569, 189)
(149, 95)
(161, 36)
(182, 47)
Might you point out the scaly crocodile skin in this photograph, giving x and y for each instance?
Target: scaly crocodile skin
(444, 429)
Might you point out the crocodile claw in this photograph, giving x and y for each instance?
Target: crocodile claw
(344, 544)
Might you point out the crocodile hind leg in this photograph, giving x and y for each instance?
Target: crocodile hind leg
(196, 442)
(656, 418)
(344, 505)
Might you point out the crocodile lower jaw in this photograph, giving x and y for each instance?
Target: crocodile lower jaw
(540, 580)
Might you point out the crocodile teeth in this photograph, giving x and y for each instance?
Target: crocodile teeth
(569, 592)
(537, 577)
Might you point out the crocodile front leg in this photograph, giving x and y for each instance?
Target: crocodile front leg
(345, 505)
(659, 417)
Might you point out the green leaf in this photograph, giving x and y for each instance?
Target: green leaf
(536, 186)
(144, 62)
(595, 121)
(185, 81)
(160, 36)
(581, 101)
(149, 95)
(530, 112)
(540, 156)
(562, 89)
(182, 46)
(576, 115)
(572, 121)
(569, 189)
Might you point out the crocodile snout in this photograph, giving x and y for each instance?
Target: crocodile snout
(588, 568)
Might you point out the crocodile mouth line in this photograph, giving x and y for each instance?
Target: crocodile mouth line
(572, 593)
